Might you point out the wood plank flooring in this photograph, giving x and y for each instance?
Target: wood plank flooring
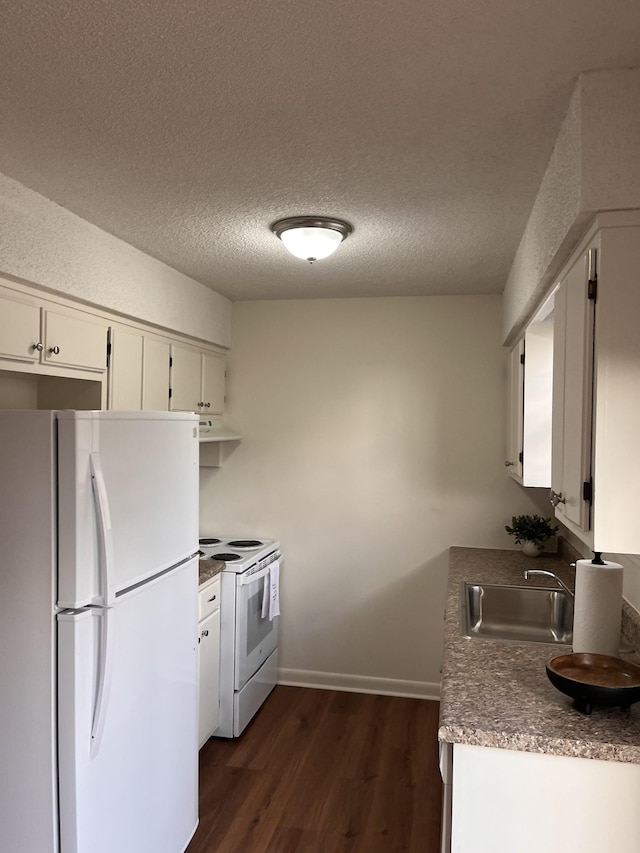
(319, 771)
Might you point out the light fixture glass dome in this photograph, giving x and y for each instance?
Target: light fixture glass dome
(311, 238)
(311, 243)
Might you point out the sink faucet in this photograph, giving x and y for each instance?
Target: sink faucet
(529, 572)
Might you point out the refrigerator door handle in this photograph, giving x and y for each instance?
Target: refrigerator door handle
(105, 670)
(105, 535)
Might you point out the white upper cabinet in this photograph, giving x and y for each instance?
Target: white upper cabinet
(596, 405)
(132, 366)
(125, 369)
(156, 354)
(39, 335)
(213, 373)
(530, 380)
(197, 380)
(515, 411)
(573, 375)
(186, 379)
(74, 339)
(19, 330)
(138, 370)
(537, 402)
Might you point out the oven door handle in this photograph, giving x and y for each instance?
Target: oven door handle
(245, 580)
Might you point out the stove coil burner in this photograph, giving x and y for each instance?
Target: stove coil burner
(245, 543)
(226, 558)
(209, 541)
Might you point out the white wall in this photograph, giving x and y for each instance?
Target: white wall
(42, 243)
(374, 440)
(594, 166)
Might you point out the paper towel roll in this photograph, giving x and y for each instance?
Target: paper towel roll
(598, 608)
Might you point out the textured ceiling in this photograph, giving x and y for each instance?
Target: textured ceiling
(186, 128)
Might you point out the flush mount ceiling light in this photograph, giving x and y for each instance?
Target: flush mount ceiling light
(311, 238)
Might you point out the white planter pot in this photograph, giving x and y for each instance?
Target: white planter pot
(531, 549)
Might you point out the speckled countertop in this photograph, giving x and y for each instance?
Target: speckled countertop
(497, 694)
(208, 569)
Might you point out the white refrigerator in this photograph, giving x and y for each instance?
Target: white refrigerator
(98, 631)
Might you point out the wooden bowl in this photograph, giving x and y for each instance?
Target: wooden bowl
(592, 679)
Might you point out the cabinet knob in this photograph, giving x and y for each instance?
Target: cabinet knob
(207, 405)
(54, 350)
(556, 498)
(205, 633)
(508, 464)
(200, 405)
(39, 347)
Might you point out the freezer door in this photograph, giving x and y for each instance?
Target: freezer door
(128, 720)
(127, 500)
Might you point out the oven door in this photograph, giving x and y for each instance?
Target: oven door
(256, 637)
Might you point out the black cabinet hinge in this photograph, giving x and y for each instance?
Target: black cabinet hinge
(170, 393)
(592, 280)
(108, 352)
(587, 491)
(521, 358)
(521, 457)
(170, 361)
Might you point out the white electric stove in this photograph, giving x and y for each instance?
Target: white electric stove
(248, 639)
(238, 554)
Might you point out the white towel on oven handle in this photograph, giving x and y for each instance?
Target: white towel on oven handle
(271, 592)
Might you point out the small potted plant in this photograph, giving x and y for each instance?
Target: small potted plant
(531, 531)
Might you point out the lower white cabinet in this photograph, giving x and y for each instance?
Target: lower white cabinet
(505, 801)
(209, 658)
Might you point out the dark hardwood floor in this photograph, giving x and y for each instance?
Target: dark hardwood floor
(319, 771)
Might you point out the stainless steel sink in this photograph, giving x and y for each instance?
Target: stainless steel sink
(521, 613)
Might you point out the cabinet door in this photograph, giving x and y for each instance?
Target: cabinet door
(209, 649)
(515, 402)
(19, 330)
(483, 776)
(616, 470)
(75, 340)
(213, 367)
(125, 370)
(538, 386)
(572, 396)
(155, 374)
(186, 379)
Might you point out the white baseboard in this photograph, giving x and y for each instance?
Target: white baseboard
(359, 684)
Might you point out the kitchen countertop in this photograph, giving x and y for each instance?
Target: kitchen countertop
(208, 569)
(497, 694)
